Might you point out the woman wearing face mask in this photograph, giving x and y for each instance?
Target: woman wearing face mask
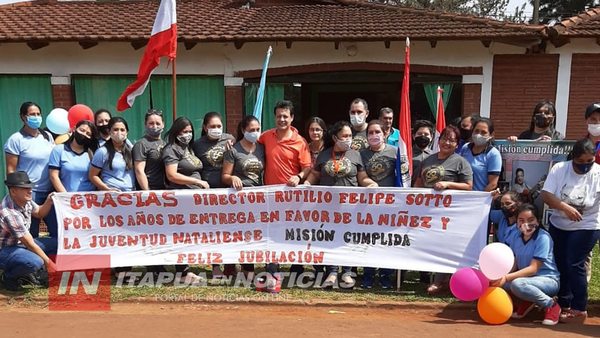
(543, 124)
(421, 146)
(210, 147)
(101, 118)
(536, 279)
(70, 162)
(244, 163)
(339, 165)
(316, 130)
(112, 164)
(506, 217)
(147, 161)
(445, 170)
(28, 150)
(182, 168)
(592, 119)
(380, 164)
(485, 160)
(572, 189)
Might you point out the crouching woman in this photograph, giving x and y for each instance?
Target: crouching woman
(535, 280)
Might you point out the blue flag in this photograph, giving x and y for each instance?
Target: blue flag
(258, 106)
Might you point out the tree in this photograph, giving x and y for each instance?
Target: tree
(486, 8)
(562, 9)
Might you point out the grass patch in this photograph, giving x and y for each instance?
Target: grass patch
(412, 291)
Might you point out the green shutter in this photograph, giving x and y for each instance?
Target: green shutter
(14, 90)
(274, 92)
(102, 91)
(196, 96)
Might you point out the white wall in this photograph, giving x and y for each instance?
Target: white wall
(64, 59)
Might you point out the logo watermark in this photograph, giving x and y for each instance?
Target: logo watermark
(304, 280)
(73, 288)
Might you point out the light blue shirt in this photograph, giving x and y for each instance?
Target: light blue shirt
(489, 162)
(119, 177)
(73, 168)
(504, 229)
(393, 137)
(33, 153)
(539, 246)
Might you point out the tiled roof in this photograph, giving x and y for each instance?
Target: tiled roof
(586, 24)
(226, 20)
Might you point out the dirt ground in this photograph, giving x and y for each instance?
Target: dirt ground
(202, 320)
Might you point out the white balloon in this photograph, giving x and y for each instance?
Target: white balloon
(58, 121)
(496, 260)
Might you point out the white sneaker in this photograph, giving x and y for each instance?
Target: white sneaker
(330, 282)
(347, 281)
(193, 279)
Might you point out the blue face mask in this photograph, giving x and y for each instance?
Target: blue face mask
(583, 168)
(34, 122)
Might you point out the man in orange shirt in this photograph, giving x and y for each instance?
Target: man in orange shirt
(286, 152)
(287, 159)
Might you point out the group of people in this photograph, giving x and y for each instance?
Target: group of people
(99, 156)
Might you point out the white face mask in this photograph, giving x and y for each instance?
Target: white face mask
(118, 136)
(214, 133)
(251, 136)
(357, 119)
(594, 129)
(344, 145)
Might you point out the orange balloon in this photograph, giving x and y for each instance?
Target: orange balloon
(495, 306)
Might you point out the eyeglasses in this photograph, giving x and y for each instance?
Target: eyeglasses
(508, 205)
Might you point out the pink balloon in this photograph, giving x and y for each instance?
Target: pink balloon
(78, 113)
(496, 260)
(468, 284)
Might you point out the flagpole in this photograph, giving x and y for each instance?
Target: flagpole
(174, 90)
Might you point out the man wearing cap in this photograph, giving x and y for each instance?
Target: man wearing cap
(21, 256)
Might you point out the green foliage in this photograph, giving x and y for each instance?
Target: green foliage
(496, 9)
(563, 9)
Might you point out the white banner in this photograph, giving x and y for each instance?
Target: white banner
(412, 229)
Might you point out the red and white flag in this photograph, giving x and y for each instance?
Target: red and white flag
(440, 122)
(163, 42)
(404, 155)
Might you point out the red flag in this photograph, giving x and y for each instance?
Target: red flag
(440, 123)
(163, 42)
(404, 158)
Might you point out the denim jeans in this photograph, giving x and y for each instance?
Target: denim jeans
(369, 274)
(50, 219)
(17, 260)
(334, 269)
(536, 289)
(570, 251)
